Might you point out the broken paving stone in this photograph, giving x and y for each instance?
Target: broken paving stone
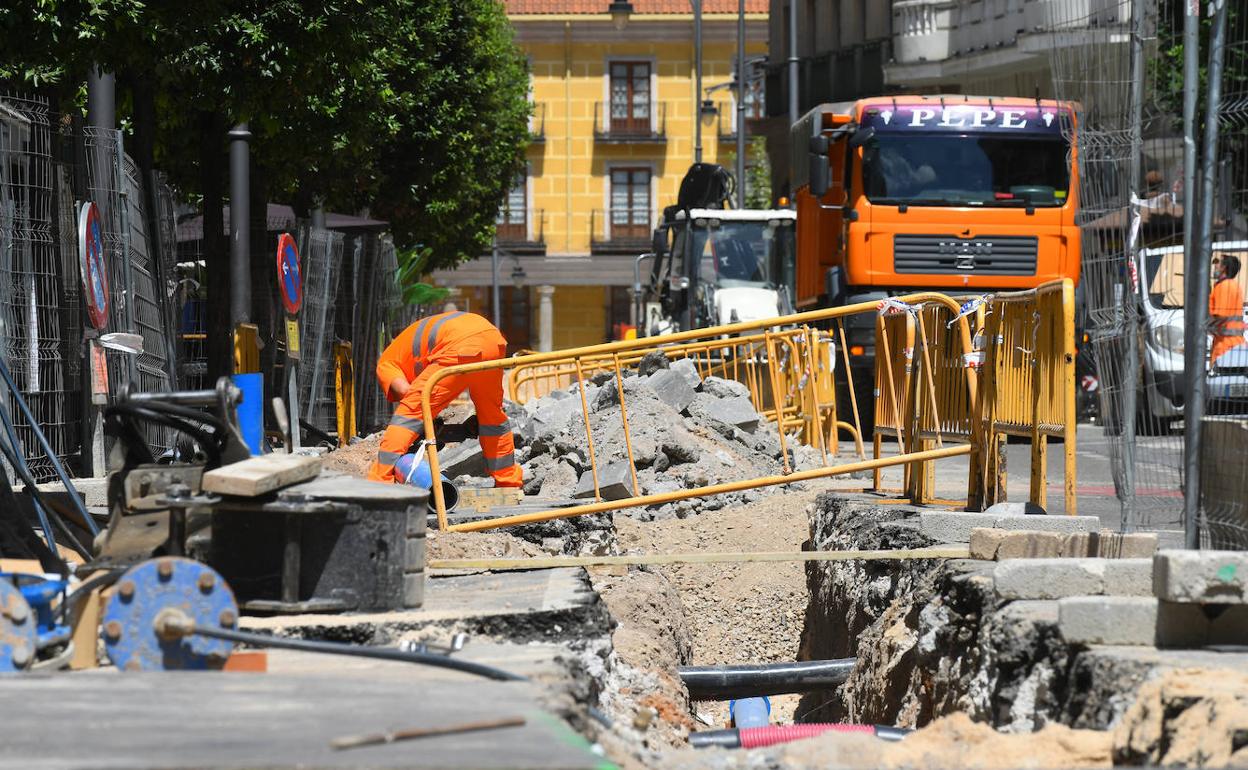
(672, 389)
(464, 459)
(723, 388)
(1202, 577)
(686, 368)
(615, 482)
(724, 414)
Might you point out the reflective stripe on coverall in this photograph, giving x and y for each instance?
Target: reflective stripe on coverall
(434, 343)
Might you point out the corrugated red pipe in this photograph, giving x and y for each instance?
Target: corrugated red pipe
(757, 737)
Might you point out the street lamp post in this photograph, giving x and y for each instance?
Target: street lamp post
(697, 74)
(740, 104)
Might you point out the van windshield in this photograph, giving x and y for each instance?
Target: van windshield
(922, 169)
(1164, 269)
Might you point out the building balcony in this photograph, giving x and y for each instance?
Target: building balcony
(620, 231)
(645, 125)
(521, 232)
(923, 30)
(537, 123)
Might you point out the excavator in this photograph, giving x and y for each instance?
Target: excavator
(714, 265)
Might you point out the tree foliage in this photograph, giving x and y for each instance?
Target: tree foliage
(415, 110)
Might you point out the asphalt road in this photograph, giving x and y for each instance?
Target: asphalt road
(1159, 498)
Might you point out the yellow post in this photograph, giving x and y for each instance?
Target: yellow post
(246, 349)
(344, 391)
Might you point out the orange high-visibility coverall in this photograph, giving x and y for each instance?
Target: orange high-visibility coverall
(425, 347)
(1226, 301)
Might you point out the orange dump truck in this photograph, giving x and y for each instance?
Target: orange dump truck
(960, 194)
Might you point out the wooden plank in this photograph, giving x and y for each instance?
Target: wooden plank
(941, 552)
(86, 631)
(260, 475)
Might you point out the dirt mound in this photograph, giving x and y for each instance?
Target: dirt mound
(478, 545)
(356, 459)
(1187, 718)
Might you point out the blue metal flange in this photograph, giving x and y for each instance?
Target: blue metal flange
(128, 625)
(40, 593)
(18, 629)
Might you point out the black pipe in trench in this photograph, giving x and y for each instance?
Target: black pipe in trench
(745, 681)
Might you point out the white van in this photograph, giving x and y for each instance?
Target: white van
(1163, 381)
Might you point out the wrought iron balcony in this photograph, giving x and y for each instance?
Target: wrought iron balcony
(537, 123)
(624, 123)
(521, 231)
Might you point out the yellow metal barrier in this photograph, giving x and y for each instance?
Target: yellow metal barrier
(1029, 385)
(344, 391)
(774, 357)
(246, 349)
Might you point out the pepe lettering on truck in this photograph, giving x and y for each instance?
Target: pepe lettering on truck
(958, 194)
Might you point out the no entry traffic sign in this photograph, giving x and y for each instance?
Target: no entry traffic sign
(91, 264)
(288, 275)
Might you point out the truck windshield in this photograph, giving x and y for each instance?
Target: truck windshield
(736, 254)
(921, 169)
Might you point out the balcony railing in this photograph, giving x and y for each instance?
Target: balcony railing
(521, 231)
(537, 123)
(647, 123)
(620, 230)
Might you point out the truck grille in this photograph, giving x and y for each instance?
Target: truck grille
(948, 254)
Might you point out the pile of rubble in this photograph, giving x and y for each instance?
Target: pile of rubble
(685, 431)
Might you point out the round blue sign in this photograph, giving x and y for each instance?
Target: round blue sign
(288, 275)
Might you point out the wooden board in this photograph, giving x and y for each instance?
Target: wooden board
(260, 475)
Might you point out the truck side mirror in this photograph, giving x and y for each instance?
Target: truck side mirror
(658, 243)
(818, 175)
(834, 286)
(861, 137)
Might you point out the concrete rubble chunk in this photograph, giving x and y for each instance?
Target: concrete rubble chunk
(686, 368)
(1024, 508)
(724, 388)
(1201, 577)
(652, 362)
(672, 388)
(985, 541)
(1130, 620)
(1049, 578)
(463, 459)
(615, 482)
(724, 414)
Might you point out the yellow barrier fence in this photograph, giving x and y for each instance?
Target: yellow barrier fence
(952, 379)
(785, 361)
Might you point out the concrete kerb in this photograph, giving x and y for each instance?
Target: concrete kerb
(1146, 621)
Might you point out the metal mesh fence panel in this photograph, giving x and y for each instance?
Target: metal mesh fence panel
(1224, 472)
(1096, 65)
(322, 268)
(135, 301)
(31, 288)
(380, 315)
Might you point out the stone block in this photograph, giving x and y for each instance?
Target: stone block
(463, 459)
(1079, 545)
(1128, 577)
(686, 368)
(1064, 524)
(1023, 544)
(1049, 578)
(985, 541)
(672, 389)
(724, 414)
(953, 526)
(1130, 620)
(1112, 545)
(720, 387)
(1186, 626)
(1022, 508)
(1201, 577)
(615, 482)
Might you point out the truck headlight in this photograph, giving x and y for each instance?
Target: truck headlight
(1168, 337)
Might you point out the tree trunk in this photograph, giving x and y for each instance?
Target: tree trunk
(212, 165)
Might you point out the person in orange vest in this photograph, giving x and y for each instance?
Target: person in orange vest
(434, 343)
(1226, 307)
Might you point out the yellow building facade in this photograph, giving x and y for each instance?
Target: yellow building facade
(615, 128)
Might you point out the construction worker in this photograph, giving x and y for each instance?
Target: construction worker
(1226, 307)
(434, 343)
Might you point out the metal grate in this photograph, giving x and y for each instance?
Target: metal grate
(31, 288)
(986, 255)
